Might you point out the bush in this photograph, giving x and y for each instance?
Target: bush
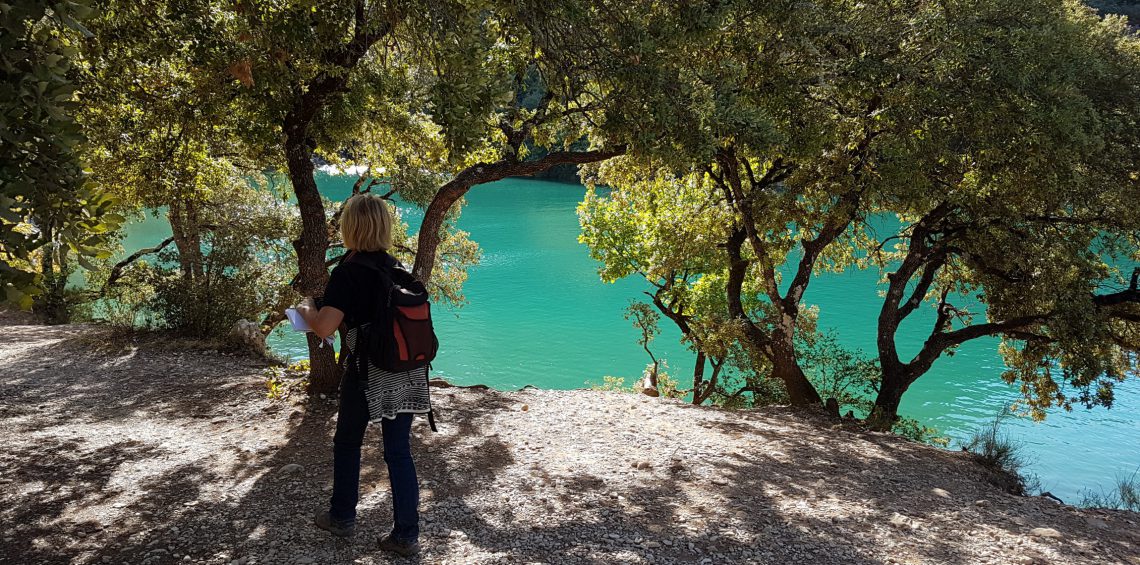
(610, 383)
(849, 376)
(914, 430)
(236, 282)
(1004, 457)
(243, 274)
(1126, 495)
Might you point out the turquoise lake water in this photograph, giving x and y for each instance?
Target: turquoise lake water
(538, 314)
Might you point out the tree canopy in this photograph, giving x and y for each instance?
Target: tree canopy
(733, 151)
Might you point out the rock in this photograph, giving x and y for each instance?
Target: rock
(832, 407)
(904, 522)
(525, 407)
(1044, 533)
(1097, 523)
(981, 503)
(290, 469)
(645, 386)
(247, 334)
(940, 492)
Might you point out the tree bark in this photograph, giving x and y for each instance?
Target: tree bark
(432, 225)
(777, 346)
(53, 304)
(786, 367)
(311, 246)
(886, 410)
(698, 378)
(177, 231)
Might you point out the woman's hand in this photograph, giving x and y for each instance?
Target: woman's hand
(307, 304)
(322, 322)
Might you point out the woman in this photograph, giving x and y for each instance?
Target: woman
(352, 297)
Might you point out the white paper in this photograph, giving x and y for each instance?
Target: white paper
(299, 324)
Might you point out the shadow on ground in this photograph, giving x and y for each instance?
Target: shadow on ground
(137, 454)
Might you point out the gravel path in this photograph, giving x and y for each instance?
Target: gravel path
(120, 452)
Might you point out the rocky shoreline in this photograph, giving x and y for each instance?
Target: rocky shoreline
(120, 452)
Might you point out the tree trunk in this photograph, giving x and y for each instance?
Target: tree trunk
(698, 378)
(311, 247)
(787, 368)
(187, 237)
(886, 411)
(431, 228)
(53, 304)
(194, 238)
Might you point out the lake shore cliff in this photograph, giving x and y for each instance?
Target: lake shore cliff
(142, 452)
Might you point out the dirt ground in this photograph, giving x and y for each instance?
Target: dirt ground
(118, 451)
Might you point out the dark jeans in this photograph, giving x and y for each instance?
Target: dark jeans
(351, 422)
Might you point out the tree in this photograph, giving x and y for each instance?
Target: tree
(670, 233)
(49, 209)
(160, 121)
(783, 128)
(1024, 206)
(335, 80)
(881, 110)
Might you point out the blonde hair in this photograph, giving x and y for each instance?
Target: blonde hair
(366, 223)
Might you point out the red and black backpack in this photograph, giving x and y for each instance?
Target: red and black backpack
(400, 337)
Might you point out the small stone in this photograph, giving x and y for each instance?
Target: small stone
(290, 469)
(981, 503)
(1097, 523)
(643, 465)
(650, 544)
(940, 492)
(1044, 533)
(899, 521)
(525, 407)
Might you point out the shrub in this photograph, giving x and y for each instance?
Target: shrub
(1004, 457)
(847, 375)
(611, 383)
(1125, 495)
(243, 273)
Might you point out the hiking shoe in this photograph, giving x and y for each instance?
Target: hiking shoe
(389, 543)
(341, 528)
